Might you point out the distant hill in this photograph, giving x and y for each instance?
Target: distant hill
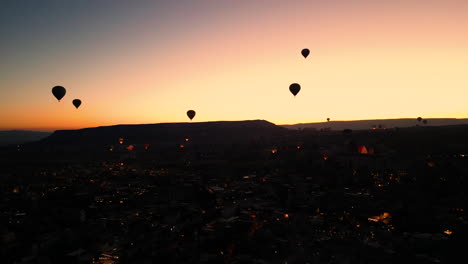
(384, 123)
(222, 132)
(11, 137)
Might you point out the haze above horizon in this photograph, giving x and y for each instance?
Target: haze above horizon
(151, 62)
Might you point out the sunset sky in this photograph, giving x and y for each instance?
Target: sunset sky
(150, 61)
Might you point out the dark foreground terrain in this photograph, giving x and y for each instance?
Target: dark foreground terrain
(236, 192)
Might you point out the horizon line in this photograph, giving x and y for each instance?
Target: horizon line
(188, 122)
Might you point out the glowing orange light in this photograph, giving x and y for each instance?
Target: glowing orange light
(384, 218)
(121, 141)
(286, 216)
(187, 139)
(325, 157)
(181, 146)
(130, 148)
(362, 150)
(15, 190)
(385, 215)
(298, 147)
(448, 232)
(274, 151)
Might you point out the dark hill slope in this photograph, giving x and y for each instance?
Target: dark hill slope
(20, 136)
(386, 123)
(223, 132)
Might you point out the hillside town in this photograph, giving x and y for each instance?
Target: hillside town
(331, 197)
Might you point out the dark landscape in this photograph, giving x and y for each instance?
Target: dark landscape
(12, 137)
(233, 132)
(236, 192)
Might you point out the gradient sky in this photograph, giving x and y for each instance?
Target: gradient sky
(151, 61)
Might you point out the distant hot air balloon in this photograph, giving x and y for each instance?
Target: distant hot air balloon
(328, 119)
(305, 52)
(419, 119)
(76, 103)
(191, 114)
(59, 92)
(294, 88)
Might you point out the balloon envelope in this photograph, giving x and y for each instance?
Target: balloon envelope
(59, 92)
(191, 114)
(294, 88)
(305, 52)
(77, 103)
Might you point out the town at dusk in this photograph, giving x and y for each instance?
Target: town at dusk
(256, 132)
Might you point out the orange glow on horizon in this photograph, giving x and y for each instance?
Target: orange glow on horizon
(368, 60)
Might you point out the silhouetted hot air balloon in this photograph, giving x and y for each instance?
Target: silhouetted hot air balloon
(191, 114)
(294, 88)
(59, 92)
(305, 52)
(76, 103)
(328, 119)
(419, 119)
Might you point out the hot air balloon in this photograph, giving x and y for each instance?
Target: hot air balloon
(76, 103)
(59, 92)
(305, 52)
(328, 119)
(191, 114)
(294, 88)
